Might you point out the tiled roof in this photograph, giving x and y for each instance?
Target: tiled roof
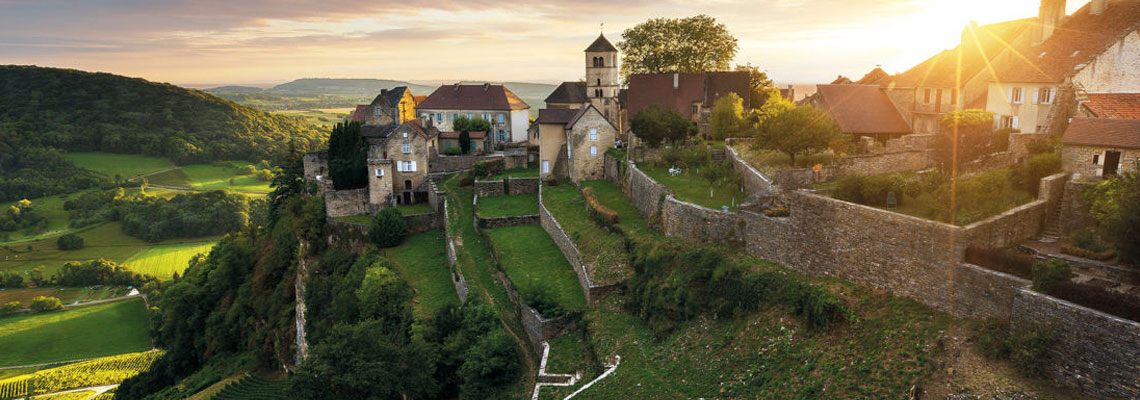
(1114, 105)
(1080, 38)
(455, 135)
(568, 92)
(473, 97)
(706, 88)
(377, 131)
(859, 109)
(582, 111)
(555, 116)
(982, 44)
(419, 99)
(875, 77)
(392, 97)
(360, 112)
(601, 44)
(1107, 132)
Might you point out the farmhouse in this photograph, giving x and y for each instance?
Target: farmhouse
(573, 141)
(1101, 147)
(506, 112)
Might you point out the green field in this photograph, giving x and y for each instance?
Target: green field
(77, 333)
(422, 261)
(533, 261)
(505, 206)
(690, 187)
(611, 196)
(164, 260)
(125, 166)
(50, 207)
(101, 241)
(323, 117)
(602, 251)
(514, 173)
(25, 296)
(212, 177)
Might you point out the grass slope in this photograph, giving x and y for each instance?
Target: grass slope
(532, 261)
(602, 251)
(212, 177)
(164, 260)
(84, 332)
(126, 166)
(505, 206)
(50, 207)
(422, 261)
(690, 187)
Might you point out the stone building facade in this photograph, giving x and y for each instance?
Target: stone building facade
(572, 143)
(601, 87)
(398, 162)
(508, 114)
(1101, 147)
(394, 106)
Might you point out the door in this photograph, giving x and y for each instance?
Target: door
(546, 166)
(407, 197)
(407, 185)
(1111, 162)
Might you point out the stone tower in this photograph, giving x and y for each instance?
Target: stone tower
(602, 84)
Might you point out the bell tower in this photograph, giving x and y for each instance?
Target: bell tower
(602, 76)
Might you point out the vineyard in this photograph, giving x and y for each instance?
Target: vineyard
(97, 372)
(66, 396)
(253, 387)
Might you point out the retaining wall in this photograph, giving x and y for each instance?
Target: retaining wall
(522, 185)
(753, 181)
(506, 222)
(1092, 351)
(342, 203)
(489, 188)
(593, 293)
(440, 163)
(984, 293)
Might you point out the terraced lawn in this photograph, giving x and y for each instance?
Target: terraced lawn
(422, 261)
(690, 187)
(84, 332)
(603, 252)
(611, 196)
(125, 165)
(506, 206)
(533, 262)
(164, 260)
(514, 173)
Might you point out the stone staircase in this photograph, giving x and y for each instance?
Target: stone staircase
(1052, 231)
(718, 154)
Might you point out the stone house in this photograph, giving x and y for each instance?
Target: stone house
(398, 162)
(573, 142)
(601, 86)
(450, 140)
(394, 106)
(507, 113)
(861, 110)
(1104, 139)
(691, 95)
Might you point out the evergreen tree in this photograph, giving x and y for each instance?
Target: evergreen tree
(348, 163)
(388, 228)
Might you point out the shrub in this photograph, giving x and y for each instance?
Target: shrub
(551, 180)
(11, 280)
(993, 338)
(10, 307)
(1087, 239)
(1028, 176)
(672, 156)
(69, 241)
(818, 307)
(1001, 260)
(452, 151)
(777, 212)
(875, 190)
(1047, 274)
(486, 168)
(543, 301)
(696, 156)
(1083, 253)
(610, 217)
(387, 228)
(1115, 204)
(45, 304)
(265, 175)
(1028, 346)
(247, 170)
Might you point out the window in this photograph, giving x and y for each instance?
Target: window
(546, 166)
(501, 117)
(599, 81)
(593, 134)
(1096, 159)
(1047, 95)
(379, 173)
(926, 96)
(1015, 95)
(406, 148)
(1006, 122)
(439, 117)
(593, 150)
(379, 111)
(938, 101)
(447, 145)
(695, 109)
(468, 115)
(1015, 124)
(405, 135)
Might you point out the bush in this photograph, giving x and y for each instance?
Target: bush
(1028, 346)
(993, 338)
(1001, 260)
(551, 181)
(672, 157)
(387, 228)
(11, 280)
(99, 272)
(46, 304)
(10, 307)
(265, 175)
(696, 156)
(875, 190)
(608, 216)
(1047, 274)
(1028, 176)
(1115, 204)
(69, 241)
(1087, 239)
(452, 151)
(818, 307)
(543, 301)
(247, 170)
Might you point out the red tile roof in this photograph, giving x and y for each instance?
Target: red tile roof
(1080, 38)
(360, 112)
(860, 109)
(473, 97)
(555, 115)
(455, 135)
(1114, 105)
(706, 88)
(1106, 132)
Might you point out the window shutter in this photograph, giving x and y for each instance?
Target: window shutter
(1036, 96)
(1009, 94)
(1015, 124)
(413, 169)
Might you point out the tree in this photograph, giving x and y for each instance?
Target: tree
(465, 126)
(386, 298)
(656, 124)
(464, 142)
(714, 172)
(726, 120)
(348, 159)
(800, 130)
(974, 138)
(1115, 204)
(388, 228)
(69, 241)
(45, 304)
(491, 364)
(774, 105)
(685, 45)
(761, 85)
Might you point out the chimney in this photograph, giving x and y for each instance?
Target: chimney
(383, 91)
(456, 86)
(1096, 7)
(1050, 15)
(676, 81)
(486, 86)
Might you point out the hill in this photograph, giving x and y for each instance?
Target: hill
(82, 111)
(356, 88)
(235, 89)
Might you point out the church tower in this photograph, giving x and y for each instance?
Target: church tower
(602, 76)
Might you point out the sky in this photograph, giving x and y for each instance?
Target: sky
(201, 43)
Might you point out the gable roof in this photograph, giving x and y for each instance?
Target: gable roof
(982, 44)
(1114, 105)
(582, 112)
(568, 92)
(560, 116)
(1078, 40)
(384, 131)
(360, 112)
(390, 98)
(473, 97)
(601, 44)
(1106, 132)
(377, 131)
(861, 109)
(647, 89)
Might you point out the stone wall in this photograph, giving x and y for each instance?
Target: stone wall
(753, 181)
(573, 255)
(1091, 350)
(984, 293)
(885, 163)
(489, 188)
(456, 275)
(316, 164)
(440, 163)
(647, 195)
(342, 203)
(506, 222)
(1074, 212)
(346, 235)
(987, 162)
(522, 185)
(679, 218)
(538, 329)
(615, 171)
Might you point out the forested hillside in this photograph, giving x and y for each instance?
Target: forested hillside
(47, 111)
